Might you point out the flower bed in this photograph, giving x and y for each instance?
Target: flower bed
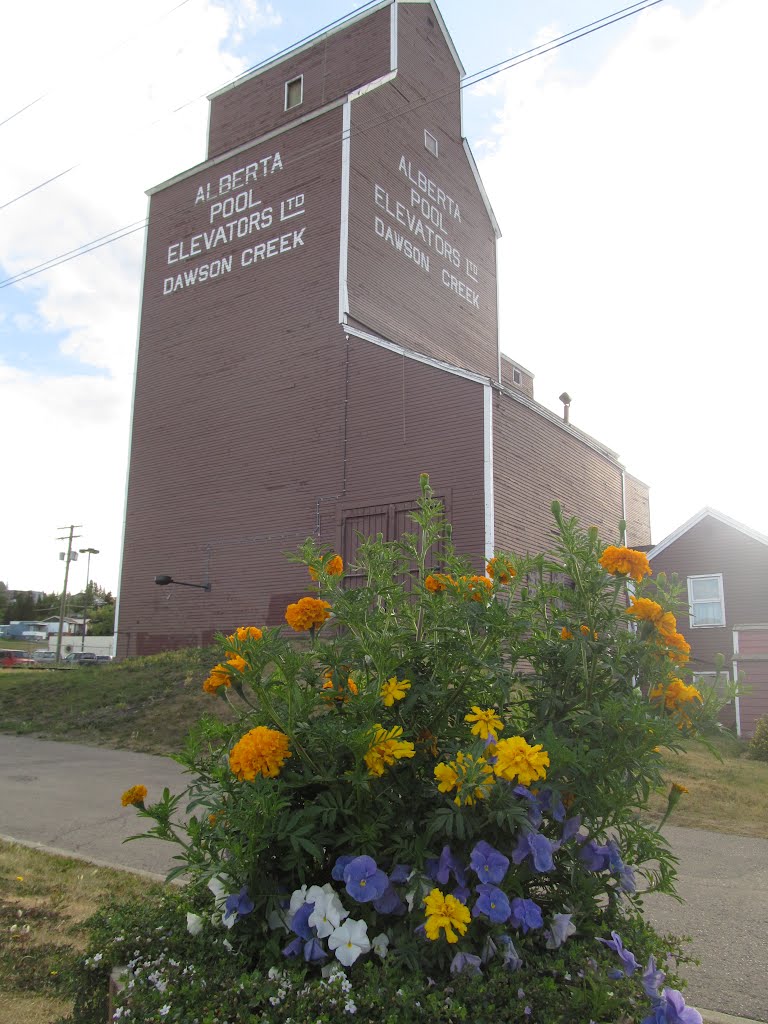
(430, 810)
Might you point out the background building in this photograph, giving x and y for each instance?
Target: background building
(319, 326)
(723, 566)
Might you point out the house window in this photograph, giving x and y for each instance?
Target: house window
(705, 598)
(517, 377)
(294, 92)
(716, 681)
(430, 142)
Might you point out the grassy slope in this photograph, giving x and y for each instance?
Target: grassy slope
(145, 704)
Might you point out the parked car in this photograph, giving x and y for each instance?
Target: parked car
(86, 658)
(44, 657)
(15, 659)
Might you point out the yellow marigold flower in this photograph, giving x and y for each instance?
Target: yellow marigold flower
(386, 748)
(219, 677)
(238, 664)
(246, 633)
(447, 776)
(135, 795)
(625, 562)
(516, 759)
(307, 613)
(486, 722)
(394, 689)
(679, 788)
(501, 570)
(261, 751)
(675, 694)
(566, 634)
(447, 914)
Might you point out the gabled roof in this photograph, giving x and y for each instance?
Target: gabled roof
(712, 513)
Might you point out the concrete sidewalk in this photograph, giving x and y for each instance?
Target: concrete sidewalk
(67, 796)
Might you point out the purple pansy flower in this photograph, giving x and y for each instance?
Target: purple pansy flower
(399, 874)
(338, 868)
(489, 950)
(627, 958)
(440, 870)
(492, 902)
(551, 802)
(313, 951)
(488, 864)
(560, 930)
(672, 1010)
(534, 810)
(571, 827)
(239, 903)
(526, 915)
(653, 979)
(300, 921)
(594, 856)
(294, 947)
(538, 847)
(389, 902)
(465, 962)
(461, 893)
(363, 880)
(510, 960)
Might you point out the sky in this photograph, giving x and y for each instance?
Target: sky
(627, 171)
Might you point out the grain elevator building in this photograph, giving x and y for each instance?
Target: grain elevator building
(318, 326)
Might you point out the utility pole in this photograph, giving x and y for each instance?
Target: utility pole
(89, 552)
(63, 607)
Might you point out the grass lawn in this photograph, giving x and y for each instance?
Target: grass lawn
(44, 901)
(726, 796)
(144, 704)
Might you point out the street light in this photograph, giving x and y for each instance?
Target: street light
(89, 552)
(163, 581)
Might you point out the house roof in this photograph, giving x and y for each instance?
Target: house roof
(703, 513)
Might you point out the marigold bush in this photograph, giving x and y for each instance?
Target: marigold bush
(448, 776)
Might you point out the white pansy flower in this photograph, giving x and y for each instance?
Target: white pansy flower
(194, 923)
(278, 919)
(298, 899)
(327, 915)
(380, 944)
(349, 941)
(219, 890)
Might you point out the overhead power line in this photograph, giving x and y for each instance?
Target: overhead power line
(335, 138)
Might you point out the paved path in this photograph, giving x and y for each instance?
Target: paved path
(67, 796)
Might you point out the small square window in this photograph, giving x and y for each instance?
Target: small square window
(706, 600)
(294, 92)
(517, 377)
(430, 143)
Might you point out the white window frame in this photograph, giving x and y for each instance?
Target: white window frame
(292, 81)
(517, 377)
(434, 149)
(720, 600)
(709, 679)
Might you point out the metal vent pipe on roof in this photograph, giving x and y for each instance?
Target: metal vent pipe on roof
(565, 398)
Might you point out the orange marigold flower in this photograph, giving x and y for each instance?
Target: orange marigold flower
(586, 631)
(438, 581)
(501, 570)
(238, 664)
(246, 633)
(679, 788)
(135, 795)
(219, 677)
(675, 693)
(625, 562)
(261, 751)
(480, 587)
(307, 613)
(333, 567)
(566, 634)
(645, 610)
(680, 645)
(339, 695)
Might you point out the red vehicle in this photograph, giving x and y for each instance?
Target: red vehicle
(15, 659)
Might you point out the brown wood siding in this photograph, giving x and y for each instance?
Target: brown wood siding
(708, 548)
(405, 418)
(638, 514)
(332, 67)
(238, 418)
(536, 462)
(418, 274)
(508, 366)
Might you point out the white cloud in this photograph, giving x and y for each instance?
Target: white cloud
(632, 269)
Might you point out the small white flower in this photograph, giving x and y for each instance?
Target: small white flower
(380, 944)
(227, 945)
(164, 1009)
(349, 941)
(194, 923)
(349, 1006)
(97, 957)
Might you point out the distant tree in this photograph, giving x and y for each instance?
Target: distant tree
(102, 621)
(22, 606)
(3, 602)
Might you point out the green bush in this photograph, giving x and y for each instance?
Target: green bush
(758, 745)
(445, 780)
